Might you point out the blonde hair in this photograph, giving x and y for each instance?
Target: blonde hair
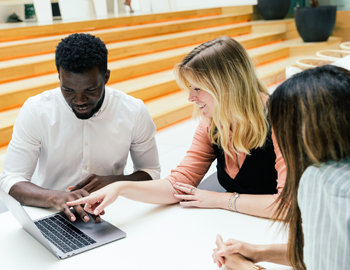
(223, 68)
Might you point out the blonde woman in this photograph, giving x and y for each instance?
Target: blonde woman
(221, 80)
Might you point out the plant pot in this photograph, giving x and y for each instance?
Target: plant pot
(312, 62)
(345, 46)
(333, 54)
(273, 9)
(315, 24)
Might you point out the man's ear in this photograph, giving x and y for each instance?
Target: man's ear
(107, 76)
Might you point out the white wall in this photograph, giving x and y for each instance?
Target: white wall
(166, 5)
(7, 10)
(214, 3)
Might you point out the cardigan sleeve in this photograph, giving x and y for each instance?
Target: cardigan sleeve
(197, 160)
(280, 167)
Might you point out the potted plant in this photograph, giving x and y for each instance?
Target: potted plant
(315, 23)
(273, 9)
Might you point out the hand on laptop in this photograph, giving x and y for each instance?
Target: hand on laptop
(92, 183)
(61, 200)
(97, 201)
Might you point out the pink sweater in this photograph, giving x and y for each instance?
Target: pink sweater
(201, 154)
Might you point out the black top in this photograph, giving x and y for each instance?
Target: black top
(257, 174)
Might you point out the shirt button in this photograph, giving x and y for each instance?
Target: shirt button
(86, 143)
(85, 168)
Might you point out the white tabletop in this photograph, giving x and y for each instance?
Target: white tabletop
(158, 237)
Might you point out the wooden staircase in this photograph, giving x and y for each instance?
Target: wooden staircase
(142, 52)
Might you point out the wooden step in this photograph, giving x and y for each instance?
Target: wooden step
(7, 120)
(27, 67)
(169, 109)
(149, 86)
(272, 55)
(274, 72)
(15, 93)
(20, 48)
(158, 43)
(25, 30)
(37, 65)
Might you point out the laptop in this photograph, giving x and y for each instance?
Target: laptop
(60, 236)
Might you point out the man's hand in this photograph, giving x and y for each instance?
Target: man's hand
(93, 183)
(99, 200)
(60, 203)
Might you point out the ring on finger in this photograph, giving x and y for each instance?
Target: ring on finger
(87, 201)
(193, 190)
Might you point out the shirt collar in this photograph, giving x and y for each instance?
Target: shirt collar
(104, 104)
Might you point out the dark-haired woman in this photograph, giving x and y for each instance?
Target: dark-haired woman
(310, 115)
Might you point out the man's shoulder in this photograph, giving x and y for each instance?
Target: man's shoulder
(120, 98)
(45, 97)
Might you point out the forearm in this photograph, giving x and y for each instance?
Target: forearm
(254, 205)
(155, 192)
(136, 176)
(30, 194)
(276, 253)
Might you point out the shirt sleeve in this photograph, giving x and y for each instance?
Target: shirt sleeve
(143, 149)
(197, 160)
(23, 151)
(280, 167)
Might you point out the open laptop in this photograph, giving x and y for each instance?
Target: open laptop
(60, 236)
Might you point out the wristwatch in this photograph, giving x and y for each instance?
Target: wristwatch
(258, 267)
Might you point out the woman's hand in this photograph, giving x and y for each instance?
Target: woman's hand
(249, 251)
(197, 197)
(97, 201)
(231, 261)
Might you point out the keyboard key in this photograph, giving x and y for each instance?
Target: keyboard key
(63, 234)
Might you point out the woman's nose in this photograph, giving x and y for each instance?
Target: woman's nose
(192, 97)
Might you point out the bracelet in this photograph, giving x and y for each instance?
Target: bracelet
(234, 202)
(230, 201)
(258, 267)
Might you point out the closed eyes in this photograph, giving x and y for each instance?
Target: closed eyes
(196, 89)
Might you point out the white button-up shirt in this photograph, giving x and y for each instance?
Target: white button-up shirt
(65, 149)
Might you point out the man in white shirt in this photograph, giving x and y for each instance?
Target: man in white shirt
(78, 136)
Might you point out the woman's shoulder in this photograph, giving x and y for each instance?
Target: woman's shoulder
(334, 176)
(204, 124)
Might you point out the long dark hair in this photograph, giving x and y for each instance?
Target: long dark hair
(310, 116)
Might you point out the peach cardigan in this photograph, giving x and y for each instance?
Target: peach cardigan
(201, 155)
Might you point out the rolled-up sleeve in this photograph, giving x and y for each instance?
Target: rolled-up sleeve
(280, 167)
(143, 149)
(22, 154)
(197, 160)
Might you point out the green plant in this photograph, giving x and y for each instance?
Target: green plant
(314, 3)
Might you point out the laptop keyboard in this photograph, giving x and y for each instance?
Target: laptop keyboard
(63, 234)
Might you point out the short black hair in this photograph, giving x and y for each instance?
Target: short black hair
(79, 53)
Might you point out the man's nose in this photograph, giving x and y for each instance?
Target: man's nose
(80, 99)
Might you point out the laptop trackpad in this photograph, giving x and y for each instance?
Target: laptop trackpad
(103, 231)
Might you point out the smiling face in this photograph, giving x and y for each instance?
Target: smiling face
(84, 92)
(203, 99)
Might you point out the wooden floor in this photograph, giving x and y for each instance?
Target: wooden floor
(142, 52)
